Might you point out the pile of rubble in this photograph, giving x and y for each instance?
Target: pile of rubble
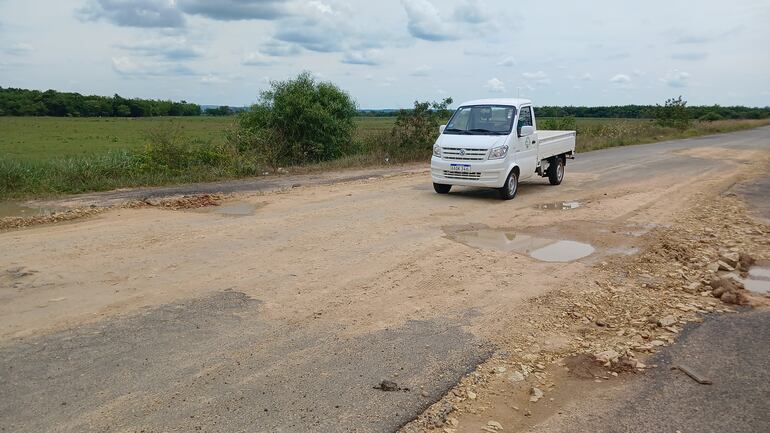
(178, 203)
(10, 223)
(638, 305)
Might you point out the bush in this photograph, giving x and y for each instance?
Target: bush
(711, 116)
(298, 121)
(673, 114)
(416, 130)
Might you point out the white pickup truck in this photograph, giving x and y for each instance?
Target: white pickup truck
(495, 143)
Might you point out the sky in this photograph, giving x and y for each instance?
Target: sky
(389, 53)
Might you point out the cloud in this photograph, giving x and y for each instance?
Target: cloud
(689, 56)
(539, 77)
(256, 58)
(210, 79)
(174, 48)
(424, 21)
(507, 62)
(676, 78)
(280, 49)
(133, 13)
(18, 49)
(471, 11)
(365, 57)
(235, 10)
(421, 71)
(494, 85)
(585, 77)
(128, 67)
(620, 79)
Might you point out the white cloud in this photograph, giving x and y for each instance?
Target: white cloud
(129, 67)
(424, 21)
(133, 13)
(620, 79)
(364, 57)
(170, 48)
(18, 49)
(539, 75)
(256, 58)
(507, 62)
(210, 79)
(676, 78)
(494, 85)
(232, 10)
(586, 77)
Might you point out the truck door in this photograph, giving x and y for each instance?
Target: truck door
(526, 147)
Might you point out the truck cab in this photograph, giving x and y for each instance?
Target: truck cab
(495, 143)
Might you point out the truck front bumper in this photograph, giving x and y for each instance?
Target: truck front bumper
(491, 174)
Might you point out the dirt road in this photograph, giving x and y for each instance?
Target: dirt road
(282, 311)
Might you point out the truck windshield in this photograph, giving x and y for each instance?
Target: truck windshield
(482, 120)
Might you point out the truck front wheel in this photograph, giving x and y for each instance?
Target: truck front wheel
(442, 188)
(511, 186)
(556, 171)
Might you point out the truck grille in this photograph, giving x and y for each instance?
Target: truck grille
(463, 154)
(464, 175)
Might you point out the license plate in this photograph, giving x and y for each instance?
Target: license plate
(460, 167)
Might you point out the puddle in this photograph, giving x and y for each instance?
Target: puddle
(560, 205)
(543, 249)
(15, 209)
(237, 209)
(758, 279)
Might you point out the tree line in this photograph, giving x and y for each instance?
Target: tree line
(706, 112)
(23, 102)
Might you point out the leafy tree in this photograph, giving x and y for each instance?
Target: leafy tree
(305, 120)
(673, 114)
(416, 130)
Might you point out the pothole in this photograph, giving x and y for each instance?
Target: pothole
(758, 279)
(543, 249)
(15, 209)
(560, 205)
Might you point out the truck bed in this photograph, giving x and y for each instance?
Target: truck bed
(553, 143)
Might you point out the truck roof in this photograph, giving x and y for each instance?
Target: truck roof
(514, 102)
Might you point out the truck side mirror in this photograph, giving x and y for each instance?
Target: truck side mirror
(526, 131)
(441, 129)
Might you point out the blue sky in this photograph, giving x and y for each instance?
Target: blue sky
(389, 53)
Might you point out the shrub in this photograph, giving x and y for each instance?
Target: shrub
(711, 116)
(304, 120)
(416, 130)
(673, 114)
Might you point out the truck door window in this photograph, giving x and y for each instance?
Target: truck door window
(525, 118)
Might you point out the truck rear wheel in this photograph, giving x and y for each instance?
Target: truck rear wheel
(556, 171)
(442, 188)
(511, 187)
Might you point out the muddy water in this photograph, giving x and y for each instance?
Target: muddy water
(543, 249)
(758, 279)
(560, 205)
(15, 209)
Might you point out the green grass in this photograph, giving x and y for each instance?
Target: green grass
(53, 156)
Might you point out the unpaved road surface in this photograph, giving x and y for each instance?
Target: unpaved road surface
(283, 313)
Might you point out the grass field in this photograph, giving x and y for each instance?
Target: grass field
(43, 156)
(39, 138)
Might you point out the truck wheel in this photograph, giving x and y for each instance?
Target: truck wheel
(442, 188)
(511, 187)
(556, 171)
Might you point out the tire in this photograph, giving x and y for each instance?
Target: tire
(442, 188)
(556, 171)
(511, 186)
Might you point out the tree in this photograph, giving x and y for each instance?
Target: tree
(673, 114)
(306, 120)
(416, 129)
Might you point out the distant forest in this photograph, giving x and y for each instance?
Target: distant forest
(22, 102)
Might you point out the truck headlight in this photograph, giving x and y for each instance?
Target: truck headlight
(498, 152)
(437, 151)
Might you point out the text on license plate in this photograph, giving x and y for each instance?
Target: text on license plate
(460, 167)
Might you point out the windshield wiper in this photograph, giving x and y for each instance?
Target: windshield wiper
(486, 131)
(458, 131)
